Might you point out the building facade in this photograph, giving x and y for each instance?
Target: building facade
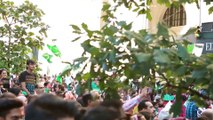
(179, 19)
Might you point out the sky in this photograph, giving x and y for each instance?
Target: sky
(59, 15)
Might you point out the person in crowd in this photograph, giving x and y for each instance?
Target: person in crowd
(2, 89)
(86, 100)
(58, 87)
(3, 73)
(115, 105)
(191, 110)
(101, 113)
(201, 118)
(130, 104)
(28, 78)
(79, 88)
(91, 99)
(23, 99)
(50, 107)
(39, 89)
(47, 87)
(95, 85)
(68, 95)
(96, 96)
(16, 91)
(4, 81)
(208, 114)
(8, 95)
(146, 109)
(32, 98)
(11, 109)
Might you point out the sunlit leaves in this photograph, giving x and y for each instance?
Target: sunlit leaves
(121, 52)
(17, 34)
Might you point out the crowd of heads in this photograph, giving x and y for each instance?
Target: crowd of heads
(26, 98)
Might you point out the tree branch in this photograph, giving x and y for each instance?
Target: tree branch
(185, 87)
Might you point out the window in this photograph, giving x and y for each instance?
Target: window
(175, 16)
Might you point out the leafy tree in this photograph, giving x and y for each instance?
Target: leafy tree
(116, 52)
(22, 32)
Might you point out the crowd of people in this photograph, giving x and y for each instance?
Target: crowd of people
(28, 97)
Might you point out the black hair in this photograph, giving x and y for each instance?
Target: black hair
(1, 70)
(86, 98)
(30, 62)
(101, 113)
(46, 83)
(113, 104)
(142, 105)
(15, 91)
(50, 107)
(7, 104)
(7, 95)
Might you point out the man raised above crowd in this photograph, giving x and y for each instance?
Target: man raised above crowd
(28, 78)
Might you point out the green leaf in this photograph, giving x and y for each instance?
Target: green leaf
(210, 67)
(86, 76)
(199, 74)
(84, 26)
(180, 71)
(210, 10)
(143, 57)
(176, 107)
(76, 39)
(162, 30)
(81, 59)
(128, 27)
(131, 35)
(208, 2)
(93, 50)
(86, 45)
(190, 31)
(148, 15)
(142, 11)
(121, 23)
(182, 52)
(105, 44)
(75, 27)
(112, 56)
(110, 30)
(106, 6)
(145, 68)
(161, 57)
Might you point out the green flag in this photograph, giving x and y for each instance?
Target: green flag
(54, 49)
(59, 79)
(190, 48)
(48, 57)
